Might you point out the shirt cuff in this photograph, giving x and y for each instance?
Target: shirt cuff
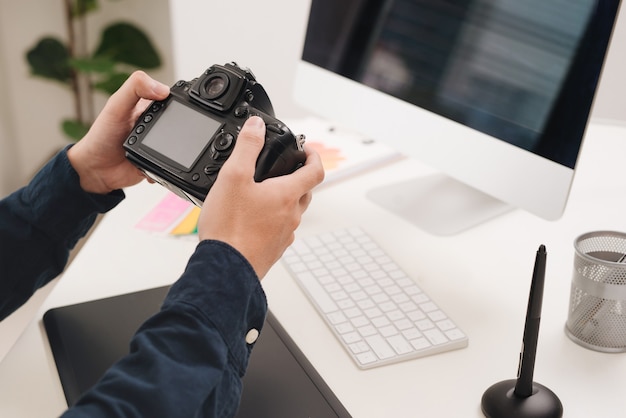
(57, 201)
(222, 285)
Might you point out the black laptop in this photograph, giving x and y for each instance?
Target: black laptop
(87, 338)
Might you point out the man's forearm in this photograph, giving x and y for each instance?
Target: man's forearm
(39, 225)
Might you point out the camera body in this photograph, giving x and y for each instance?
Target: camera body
(183, 141)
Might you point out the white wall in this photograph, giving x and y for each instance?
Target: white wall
(33, 107)
(610, 103)
(7, 145)
(265, 36)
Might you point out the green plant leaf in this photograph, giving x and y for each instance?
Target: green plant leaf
(74, 129)
(93, 65)
(112, 83)
(50, 59)
(125, 43)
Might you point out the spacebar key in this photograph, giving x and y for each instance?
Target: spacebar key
(317, 293)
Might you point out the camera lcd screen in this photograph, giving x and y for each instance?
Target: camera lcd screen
(181, 134)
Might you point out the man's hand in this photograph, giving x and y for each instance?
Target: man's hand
(99, 157)
(258, 219)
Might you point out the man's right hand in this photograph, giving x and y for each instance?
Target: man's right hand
(258, 219)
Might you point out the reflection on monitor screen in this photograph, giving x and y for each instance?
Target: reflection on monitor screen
(495, 94)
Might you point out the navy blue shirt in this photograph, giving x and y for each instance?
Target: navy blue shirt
(185, 361)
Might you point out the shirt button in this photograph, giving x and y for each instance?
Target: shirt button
(252, 335)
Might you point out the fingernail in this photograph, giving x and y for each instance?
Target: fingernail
(255, 122)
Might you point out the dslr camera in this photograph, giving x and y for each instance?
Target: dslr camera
(183, 141)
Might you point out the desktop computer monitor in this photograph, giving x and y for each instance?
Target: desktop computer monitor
(494, 95)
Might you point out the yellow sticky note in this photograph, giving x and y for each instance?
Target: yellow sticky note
(189, 224)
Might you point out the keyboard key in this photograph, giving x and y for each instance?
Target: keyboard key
(380, 347)
(399, 344)
(317, 293)
(367, 330)
(411, 333)
(352, 312)
(366, 358)
(388, 331)
(344, 327)
(420, 343)
(351, 337)
(359, 321)
(359, 347)
(455, 334)
(435, 336)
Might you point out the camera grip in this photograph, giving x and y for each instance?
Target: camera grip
(281, 155)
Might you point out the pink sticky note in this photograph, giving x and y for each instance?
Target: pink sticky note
(162, 217)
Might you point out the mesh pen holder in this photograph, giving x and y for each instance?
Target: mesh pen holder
(597, 309)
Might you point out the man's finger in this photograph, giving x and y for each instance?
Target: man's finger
(311, 173)
(138, 86)
(249, 143)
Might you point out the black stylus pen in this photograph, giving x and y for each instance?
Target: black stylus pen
(524, 384)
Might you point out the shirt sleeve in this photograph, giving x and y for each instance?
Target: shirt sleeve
(188, 359)
(39, 225)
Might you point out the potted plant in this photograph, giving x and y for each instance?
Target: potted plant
(122, 48)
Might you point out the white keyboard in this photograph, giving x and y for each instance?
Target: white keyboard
(377, 312)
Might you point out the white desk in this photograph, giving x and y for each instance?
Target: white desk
(480, 277)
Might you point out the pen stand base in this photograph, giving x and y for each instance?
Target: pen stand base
(499, 401)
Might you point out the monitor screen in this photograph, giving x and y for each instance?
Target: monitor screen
(493, 93)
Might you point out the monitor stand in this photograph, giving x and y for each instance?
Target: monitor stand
(438, 204)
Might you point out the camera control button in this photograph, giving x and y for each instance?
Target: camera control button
(139, 129)
(223, 141)
(156, 106)
(276, 128)
(241, 112)
(132, 140)
(195, 177)
(211, 169)
(148, 118)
